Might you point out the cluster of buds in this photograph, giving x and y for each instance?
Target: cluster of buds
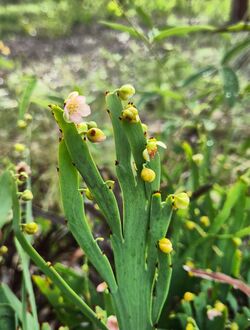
(22, 172)
(151, 148)
(75, 109)
(216, 311)
(29, 228)
(130, 113)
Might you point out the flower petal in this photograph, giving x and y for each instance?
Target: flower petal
(71, 95)
(84, 110)
(161, 144)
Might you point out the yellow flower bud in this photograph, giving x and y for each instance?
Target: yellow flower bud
(130, 114)
(110, 184)
(147, 175)
(144, 128)
(21, 123)
(190, 326)
(237, 241)
(88, 194)
(22, 178)
(205, 221)
(3, 250)
(19, 147)
(234, 326)
(95, 135)
(180, 200)
(219, 306)
(190, 264)
(92, 124)
(30, 228)
(82, 128)
(198, 159)
(126, 91)
(26, 195)
(188, 296)
(28, 117)
(190, 224)
(165, 245)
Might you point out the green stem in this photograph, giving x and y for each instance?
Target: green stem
(47, 269)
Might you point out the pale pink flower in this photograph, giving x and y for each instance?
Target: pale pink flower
(212, 313)
(112, 323)
(101, 287)
(75, 108)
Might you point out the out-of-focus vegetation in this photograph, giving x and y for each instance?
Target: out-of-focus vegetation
(193, 91)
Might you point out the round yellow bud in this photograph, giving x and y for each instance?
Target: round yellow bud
(88, 194)
(3, 250)
(198, 159)
(180, 200)
(147, 175)
(205, 221)
(234, 326)
(144, 128)
(219, 306)
(95, 135)
(26, 195)
(190, 326)
(92, 124)
(190, 224)
(188, 296)
(237, 241)
(190, 264)
(130, 114)
(19, 147)
(126, 92)
(165, 245)
(82, 128)
(28, 117)
(21, 123)
(30, 228)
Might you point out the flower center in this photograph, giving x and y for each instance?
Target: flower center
(72, 107)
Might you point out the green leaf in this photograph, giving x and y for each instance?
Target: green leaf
(24, 259)
(234, 51)
(230, 85)
(25, 99)
(123, 28)
(7, 317)
(241, 26)
(181, 31)
(146, 19)
(5, 197)
(15, 303)
(199, 74)
(243, 232)
(233, 196)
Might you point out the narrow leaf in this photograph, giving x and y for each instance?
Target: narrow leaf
(230, 85)
(181, 31)
(234, 51)
(208, 70)
(25, 99)
(5, 197)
